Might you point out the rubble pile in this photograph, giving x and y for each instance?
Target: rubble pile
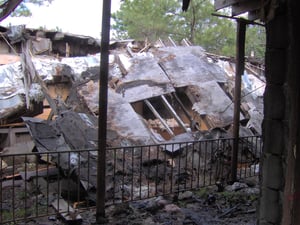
(49, 94)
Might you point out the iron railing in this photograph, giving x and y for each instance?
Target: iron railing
(41, 184)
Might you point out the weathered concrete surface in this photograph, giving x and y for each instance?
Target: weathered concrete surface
(274, 123)
(188, 66)
(145, 79)
(125, 124)
(209, 99)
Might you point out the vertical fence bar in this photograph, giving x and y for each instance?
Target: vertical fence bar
(69, 180)
(25, 187)
(148, 173)
(205, 160)
(13, 189)
(199, 164)
(48, 179)
(102, 118)
(132, 172)
(172, 168)
(156, 172)
(165, 171)
(78, 178)
(192, 164)
(140, 178)
(88, 175)
(58, 182)
(123, 174)
(114, 173)
(178, 170)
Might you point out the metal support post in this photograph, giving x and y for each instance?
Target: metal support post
(239, 70)
(102, 118)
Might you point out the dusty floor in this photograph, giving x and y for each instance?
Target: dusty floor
(236, 204)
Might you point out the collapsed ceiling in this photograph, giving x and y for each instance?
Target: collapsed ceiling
(155, 92)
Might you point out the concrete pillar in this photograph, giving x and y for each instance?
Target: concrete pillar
(275, 124)
(291, 199)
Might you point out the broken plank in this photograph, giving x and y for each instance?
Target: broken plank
(52, 194)
(3, 165)
(65, 210)
(47, 189)
(44, 172)
(9, 177)
(11, 183)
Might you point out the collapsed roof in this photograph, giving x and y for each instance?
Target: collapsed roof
(155, 92)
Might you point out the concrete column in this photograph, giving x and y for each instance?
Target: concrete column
(275, 124)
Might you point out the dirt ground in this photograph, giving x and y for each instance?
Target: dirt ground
(236, 204)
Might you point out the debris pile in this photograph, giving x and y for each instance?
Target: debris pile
(49, 89)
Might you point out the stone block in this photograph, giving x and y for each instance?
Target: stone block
(275, 102)
(272, 172)
(277, 32)
(276, 74)
(274, 132)
(270, 207)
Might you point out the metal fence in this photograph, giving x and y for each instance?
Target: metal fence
(42, 184)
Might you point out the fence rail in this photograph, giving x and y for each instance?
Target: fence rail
(42, 184)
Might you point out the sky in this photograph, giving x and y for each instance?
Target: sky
(73, 16)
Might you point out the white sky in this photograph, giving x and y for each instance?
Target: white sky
(74, 16)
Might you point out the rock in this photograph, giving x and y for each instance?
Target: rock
(185, 195)
(251, 191)
(236, 186)
(149, 221)
(155, 204)
(171, 208)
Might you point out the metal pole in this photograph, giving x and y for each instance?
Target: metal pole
(102, 119)
(239, 70)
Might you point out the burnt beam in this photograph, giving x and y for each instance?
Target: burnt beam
(102, 119)
(239, 70)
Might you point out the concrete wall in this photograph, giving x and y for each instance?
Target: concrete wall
(280, 177)
(275, 125)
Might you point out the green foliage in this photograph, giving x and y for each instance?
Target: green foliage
(202, 192)
(153, 19)
(23, 10)
(255, 41)
(141, 19)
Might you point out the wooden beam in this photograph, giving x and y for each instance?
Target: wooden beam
(239, 70)
(173, 112)
(164, 123)
(245, 6)
(102, 118)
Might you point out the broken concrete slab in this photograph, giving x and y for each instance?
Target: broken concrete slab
(145, 79)
(21, 148)
(127, 126)
(188, 66)
(210, 100)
